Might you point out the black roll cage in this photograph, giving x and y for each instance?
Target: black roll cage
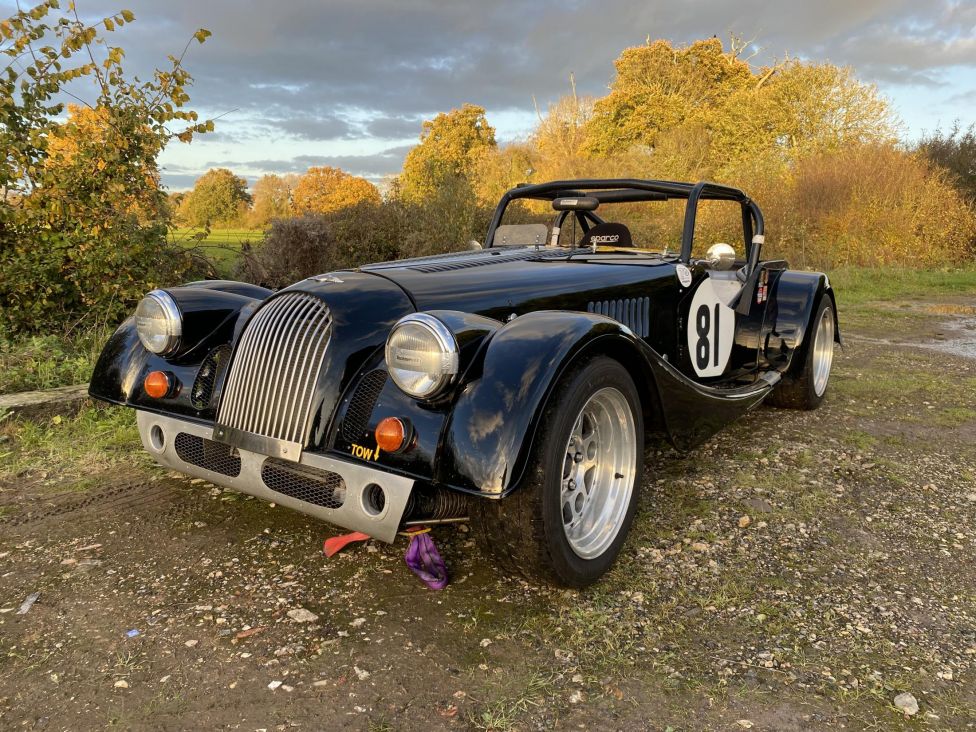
(632, 190)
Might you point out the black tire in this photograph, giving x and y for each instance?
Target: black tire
(524, 531)
(798, 390)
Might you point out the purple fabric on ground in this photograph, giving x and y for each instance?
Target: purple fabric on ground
(425, 561)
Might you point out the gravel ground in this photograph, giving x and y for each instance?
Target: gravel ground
(800, 571)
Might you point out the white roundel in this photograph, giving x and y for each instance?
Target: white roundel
(711, 329)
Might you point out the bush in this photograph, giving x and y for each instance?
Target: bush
(302, 246)
(873, 205)
(55, 279)
(954, 150)
(82, 216)
(294, 248)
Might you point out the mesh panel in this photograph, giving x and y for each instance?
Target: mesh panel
(312, 485)
(203, 453)
(361, 406)
(211, 368)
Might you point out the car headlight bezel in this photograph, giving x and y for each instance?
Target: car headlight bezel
(442, 364)
(164, 340)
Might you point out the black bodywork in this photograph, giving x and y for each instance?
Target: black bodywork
(521, 316)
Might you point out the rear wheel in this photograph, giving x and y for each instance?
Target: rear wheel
(568, 520)
(806, 390)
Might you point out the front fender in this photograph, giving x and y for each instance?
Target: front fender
(211, 317)
(486, 439)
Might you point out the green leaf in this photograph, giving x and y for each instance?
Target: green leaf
(202, 35)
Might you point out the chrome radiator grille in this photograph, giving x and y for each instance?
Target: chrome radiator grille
(275, 368)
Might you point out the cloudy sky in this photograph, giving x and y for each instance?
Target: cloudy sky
(347, 82)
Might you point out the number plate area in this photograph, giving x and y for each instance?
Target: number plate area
(711, 331)
(258, 443)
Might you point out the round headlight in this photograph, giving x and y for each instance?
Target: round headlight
(158, 322)
(422, 355)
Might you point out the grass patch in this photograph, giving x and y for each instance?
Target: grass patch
(857, 286)
(47, 361)
(905, 380)
(65, 449)
(509, 711)
(859, 439)
(884, 302)
(955, 416)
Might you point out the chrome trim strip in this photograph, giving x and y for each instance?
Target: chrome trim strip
(351, 515)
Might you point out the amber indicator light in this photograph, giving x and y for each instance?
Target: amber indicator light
(390, 434)
(157, 384)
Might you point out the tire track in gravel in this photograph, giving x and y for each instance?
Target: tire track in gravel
(154, 501)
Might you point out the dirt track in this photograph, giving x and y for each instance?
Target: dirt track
(797, 572)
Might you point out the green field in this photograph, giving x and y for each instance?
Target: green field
(221, 246)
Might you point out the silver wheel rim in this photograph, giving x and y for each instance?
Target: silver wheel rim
(598, 473)
(823, 351)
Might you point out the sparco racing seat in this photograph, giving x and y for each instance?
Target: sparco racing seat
(607, 235)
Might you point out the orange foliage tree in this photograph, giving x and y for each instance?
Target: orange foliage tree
(327, 189)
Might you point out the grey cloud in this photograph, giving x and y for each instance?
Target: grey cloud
(394, 128)
(348, 69)
(374, 165)
(407, 58)
(179, 181)
(310, 127)
(966, 97)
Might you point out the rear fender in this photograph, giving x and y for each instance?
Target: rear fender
(794, 299)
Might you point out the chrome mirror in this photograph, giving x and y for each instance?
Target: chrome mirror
(720, 256)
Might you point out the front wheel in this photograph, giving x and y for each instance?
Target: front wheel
(806, 390)
(569, 518)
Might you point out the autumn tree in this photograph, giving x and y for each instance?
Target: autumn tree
(494, 174)
(82, 218)
(271, 196)
(660, 87)
(218, 198)
(80, 156)
(798, 108)
(327, 189)
(665, 96)
(451, 147)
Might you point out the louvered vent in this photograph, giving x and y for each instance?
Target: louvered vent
(275, 368)
(466, 260)
(634, 312)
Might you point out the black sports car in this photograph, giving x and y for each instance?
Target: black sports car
(515, 384)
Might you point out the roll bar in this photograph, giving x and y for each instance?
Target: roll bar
(630, 190)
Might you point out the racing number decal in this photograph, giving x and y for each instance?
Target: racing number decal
(711, 329)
